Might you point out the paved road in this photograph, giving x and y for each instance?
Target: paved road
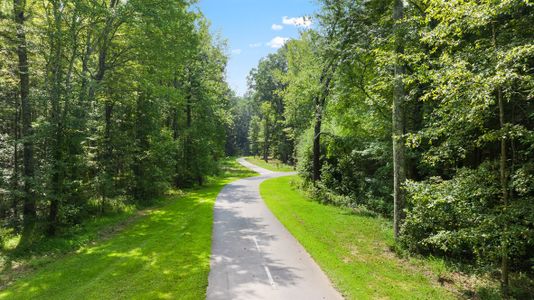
(253, 255)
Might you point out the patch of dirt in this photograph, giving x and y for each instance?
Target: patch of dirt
(12, 270)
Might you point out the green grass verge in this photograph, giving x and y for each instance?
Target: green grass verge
(273, 164)
(163, 253)
(352, 248)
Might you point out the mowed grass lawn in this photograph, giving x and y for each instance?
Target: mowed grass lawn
(162, 255)
(273, 164)
(352, 249)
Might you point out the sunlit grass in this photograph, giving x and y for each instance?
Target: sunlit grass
(352, 248)
(162, 254)
(272, 164)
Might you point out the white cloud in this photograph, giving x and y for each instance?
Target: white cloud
(255, 45)
(277, 42)
(305, 22)
(237, 51)
(277, 27)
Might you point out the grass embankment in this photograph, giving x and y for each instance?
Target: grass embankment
(274, 165)
(162, 253)
(352, 248)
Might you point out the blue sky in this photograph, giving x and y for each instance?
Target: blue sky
(253, 29)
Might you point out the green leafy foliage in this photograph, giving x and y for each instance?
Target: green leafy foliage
(125, 100)
(350, 245)
(457, 78)
(158, 252)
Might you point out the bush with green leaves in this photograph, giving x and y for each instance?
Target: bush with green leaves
(154, 169)
(464, 218)
(351, 174)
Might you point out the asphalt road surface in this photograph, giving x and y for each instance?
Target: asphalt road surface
(253, 255)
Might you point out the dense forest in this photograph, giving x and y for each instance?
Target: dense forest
(417, 110)
(103, 103)
(421, 111)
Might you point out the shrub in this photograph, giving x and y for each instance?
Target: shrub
(464, 218)
(349, 176)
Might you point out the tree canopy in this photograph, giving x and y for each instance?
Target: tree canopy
(419, 110)
(104, 102)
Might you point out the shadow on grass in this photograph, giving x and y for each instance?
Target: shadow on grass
(162, 255)
(16, 262)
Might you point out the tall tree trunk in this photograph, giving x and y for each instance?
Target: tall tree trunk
(15, 177)
(320, 103)
(102, 67)
(103, 50)
(399, 161)
(317, 141)
(188, 149)
(57, 183)
(175, 135)
(29, 210)
(504, 186)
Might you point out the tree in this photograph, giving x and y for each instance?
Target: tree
(492, 119)
(420, 111)
(266, 86)
(399, 164)
(29, 210)
(126, 98)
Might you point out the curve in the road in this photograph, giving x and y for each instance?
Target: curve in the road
(253, 255)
